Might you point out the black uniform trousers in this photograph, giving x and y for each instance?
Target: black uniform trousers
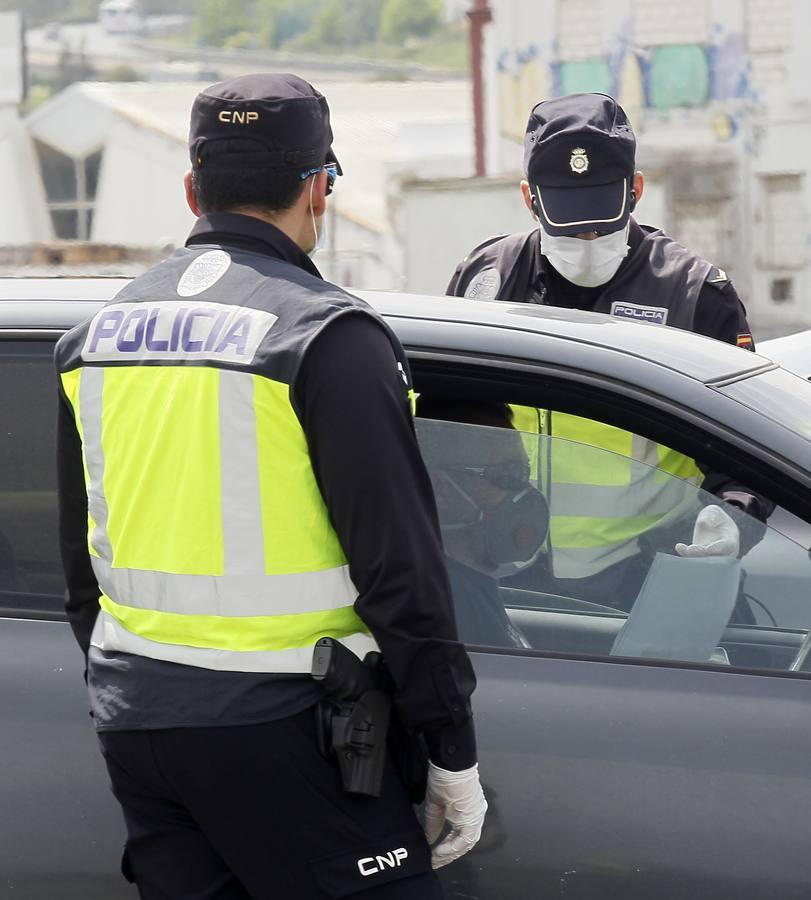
(255, 812)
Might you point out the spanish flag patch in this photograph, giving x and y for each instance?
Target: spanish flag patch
(745, 341)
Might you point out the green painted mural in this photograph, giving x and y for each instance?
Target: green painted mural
(679, 76)
(673, 76)
(586, 76)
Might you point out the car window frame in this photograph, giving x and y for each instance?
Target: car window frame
(665, 421)
(45, 335)
(486, 376)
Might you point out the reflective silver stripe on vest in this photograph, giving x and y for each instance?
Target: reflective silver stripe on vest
(584, 562)
(644, 450)
(602, 501)
(109, 635)
(243, 541)
(244, 589)
(670, 499)
(227, 595)
(91, 383)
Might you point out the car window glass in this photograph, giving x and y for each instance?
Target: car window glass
(30, 569)
(555, 545)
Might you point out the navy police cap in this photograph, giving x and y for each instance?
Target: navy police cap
(264, 120)
(579, 154)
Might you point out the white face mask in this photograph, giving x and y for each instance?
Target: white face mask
(320, 234)
(586, 263)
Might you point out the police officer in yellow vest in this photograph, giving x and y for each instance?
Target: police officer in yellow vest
(586, 251)
(238, 478)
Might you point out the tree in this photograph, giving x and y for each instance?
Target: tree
(403, 19)
(216, 20)
(279, 21)
(346, 23)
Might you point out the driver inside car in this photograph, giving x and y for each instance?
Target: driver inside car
(494, 521)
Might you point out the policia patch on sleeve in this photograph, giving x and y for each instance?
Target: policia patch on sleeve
(379, 862)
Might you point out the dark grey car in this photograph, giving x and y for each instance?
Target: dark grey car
(663, 753)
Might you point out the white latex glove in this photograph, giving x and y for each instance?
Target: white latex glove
(714, 534)
(455, 797)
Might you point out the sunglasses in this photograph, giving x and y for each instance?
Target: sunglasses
(332, 173)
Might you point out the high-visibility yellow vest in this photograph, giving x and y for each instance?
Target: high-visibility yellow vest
(600, 503)
(207, 532)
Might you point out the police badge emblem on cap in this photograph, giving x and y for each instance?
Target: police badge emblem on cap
(579, 161)
(579, 158)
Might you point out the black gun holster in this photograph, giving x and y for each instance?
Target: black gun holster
(355, 722)
(355, 732)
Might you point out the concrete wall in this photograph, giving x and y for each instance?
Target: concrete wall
(23, 213)
(438, 223)
(357, 256)
(719, 94)
(11, 58)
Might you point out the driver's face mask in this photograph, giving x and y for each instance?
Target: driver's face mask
(585, 263)
(501, 539)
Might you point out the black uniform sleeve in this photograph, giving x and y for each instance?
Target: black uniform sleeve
(470, 266)
(82, 590)
(353, 405)
(720, 314)
(454, 288)
(450, 290)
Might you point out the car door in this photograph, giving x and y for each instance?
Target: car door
(61, 833)
(652, 742)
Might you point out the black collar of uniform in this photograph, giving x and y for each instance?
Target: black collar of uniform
(561, 292)
(249, 233)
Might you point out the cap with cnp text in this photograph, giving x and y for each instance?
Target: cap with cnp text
(579, 153)
(264, 120)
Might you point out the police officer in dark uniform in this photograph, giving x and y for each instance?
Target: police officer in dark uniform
(587, 252)
(238, 478)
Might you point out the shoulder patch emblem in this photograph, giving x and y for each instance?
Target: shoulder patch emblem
(653, 315)
(745, 341)
(204, 271)
(485, 285)
(719, 277)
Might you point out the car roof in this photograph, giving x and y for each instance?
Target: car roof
(440, 322)
(704, 359)
(792, 351)
(53, 303)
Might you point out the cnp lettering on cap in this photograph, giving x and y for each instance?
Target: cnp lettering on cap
(235, 117)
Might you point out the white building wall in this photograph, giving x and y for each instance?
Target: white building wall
(23, 212)
(11, 58)
(357, 256)
(723, 134)
(140, 198)
(439, 223)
